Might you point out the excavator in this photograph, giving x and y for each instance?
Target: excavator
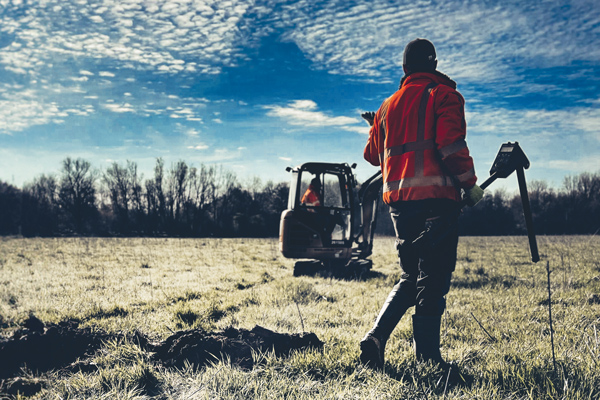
(336, 235)
(325, 233)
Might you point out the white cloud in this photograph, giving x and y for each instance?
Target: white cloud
(565, 139)
(304, 104)
(199, 147)
(475, 41)
(139, 34)
(364, 130)
(302, 112)
(192, 132)
(119, 108)
(533, 121)
(16, 70)
(23, 108)
(287, 159)
(576, 166)
(588, 120)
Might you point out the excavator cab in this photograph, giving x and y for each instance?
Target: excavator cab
(318, 225)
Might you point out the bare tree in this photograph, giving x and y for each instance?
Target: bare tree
(77, 193)
(177, 188)
(41, 206)
(156, 198)
(125, 192)
(10, 209)
(44, 189)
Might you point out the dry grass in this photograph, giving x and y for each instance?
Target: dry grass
(496, 326)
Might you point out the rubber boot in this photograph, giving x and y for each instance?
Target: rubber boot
(426, 333)
(372, 346)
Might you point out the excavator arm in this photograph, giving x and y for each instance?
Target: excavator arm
(368, 197)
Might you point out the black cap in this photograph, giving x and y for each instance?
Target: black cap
(419, 55)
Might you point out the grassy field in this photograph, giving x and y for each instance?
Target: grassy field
(496, 327)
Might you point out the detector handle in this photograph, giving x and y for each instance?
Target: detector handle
(535, 256)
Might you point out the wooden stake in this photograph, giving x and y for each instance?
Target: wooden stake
(550, 315)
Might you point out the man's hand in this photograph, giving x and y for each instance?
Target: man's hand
(368, 116)
(473, 195)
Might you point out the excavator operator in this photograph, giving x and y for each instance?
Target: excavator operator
(418, 138)
(312, 196)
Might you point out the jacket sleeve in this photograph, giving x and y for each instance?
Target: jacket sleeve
(451, 130)
(371, 152)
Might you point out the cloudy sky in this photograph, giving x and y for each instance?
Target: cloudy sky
(258, 85)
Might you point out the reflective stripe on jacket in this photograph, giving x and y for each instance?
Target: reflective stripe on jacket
(418, 139)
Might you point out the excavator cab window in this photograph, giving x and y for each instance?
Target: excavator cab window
(292, 196)
(304, 184)
(331, 190)
(332, 193)
(334, 212)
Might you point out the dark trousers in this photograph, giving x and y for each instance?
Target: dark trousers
(428, 264)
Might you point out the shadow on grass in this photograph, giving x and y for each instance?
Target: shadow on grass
(350, 272)
(345, 276)
(483, 280)
(430, 379)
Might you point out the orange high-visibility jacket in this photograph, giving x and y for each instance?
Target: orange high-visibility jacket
(311, 197)
(418, 139)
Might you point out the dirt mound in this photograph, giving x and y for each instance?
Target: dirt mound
(42, 347)
(200, 347)
(65, 346)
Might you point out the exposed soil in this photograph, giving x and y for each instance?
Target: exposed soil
(43, 347)
(199, 347)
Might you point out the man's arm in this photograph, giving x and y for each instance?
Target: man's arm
(371, 152)
(451, 130)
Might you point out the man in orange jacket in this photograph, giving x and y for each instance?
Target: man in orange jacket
(418, 138)
(312, 196)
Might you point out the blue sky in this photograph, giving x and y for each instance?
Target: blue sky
(256, 86)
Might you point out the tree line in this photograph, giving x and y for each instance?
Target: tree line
(180, 200)
(183, 200)
(572, 209)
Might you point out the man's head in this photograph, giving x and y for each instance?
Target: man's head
(316, 182)
(419, 56)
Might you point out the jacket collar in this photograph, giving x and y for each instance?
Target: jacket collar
(434, 76)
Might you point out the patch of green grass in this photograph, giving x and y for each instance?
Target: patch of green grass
(188, 295)
(114, 311)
